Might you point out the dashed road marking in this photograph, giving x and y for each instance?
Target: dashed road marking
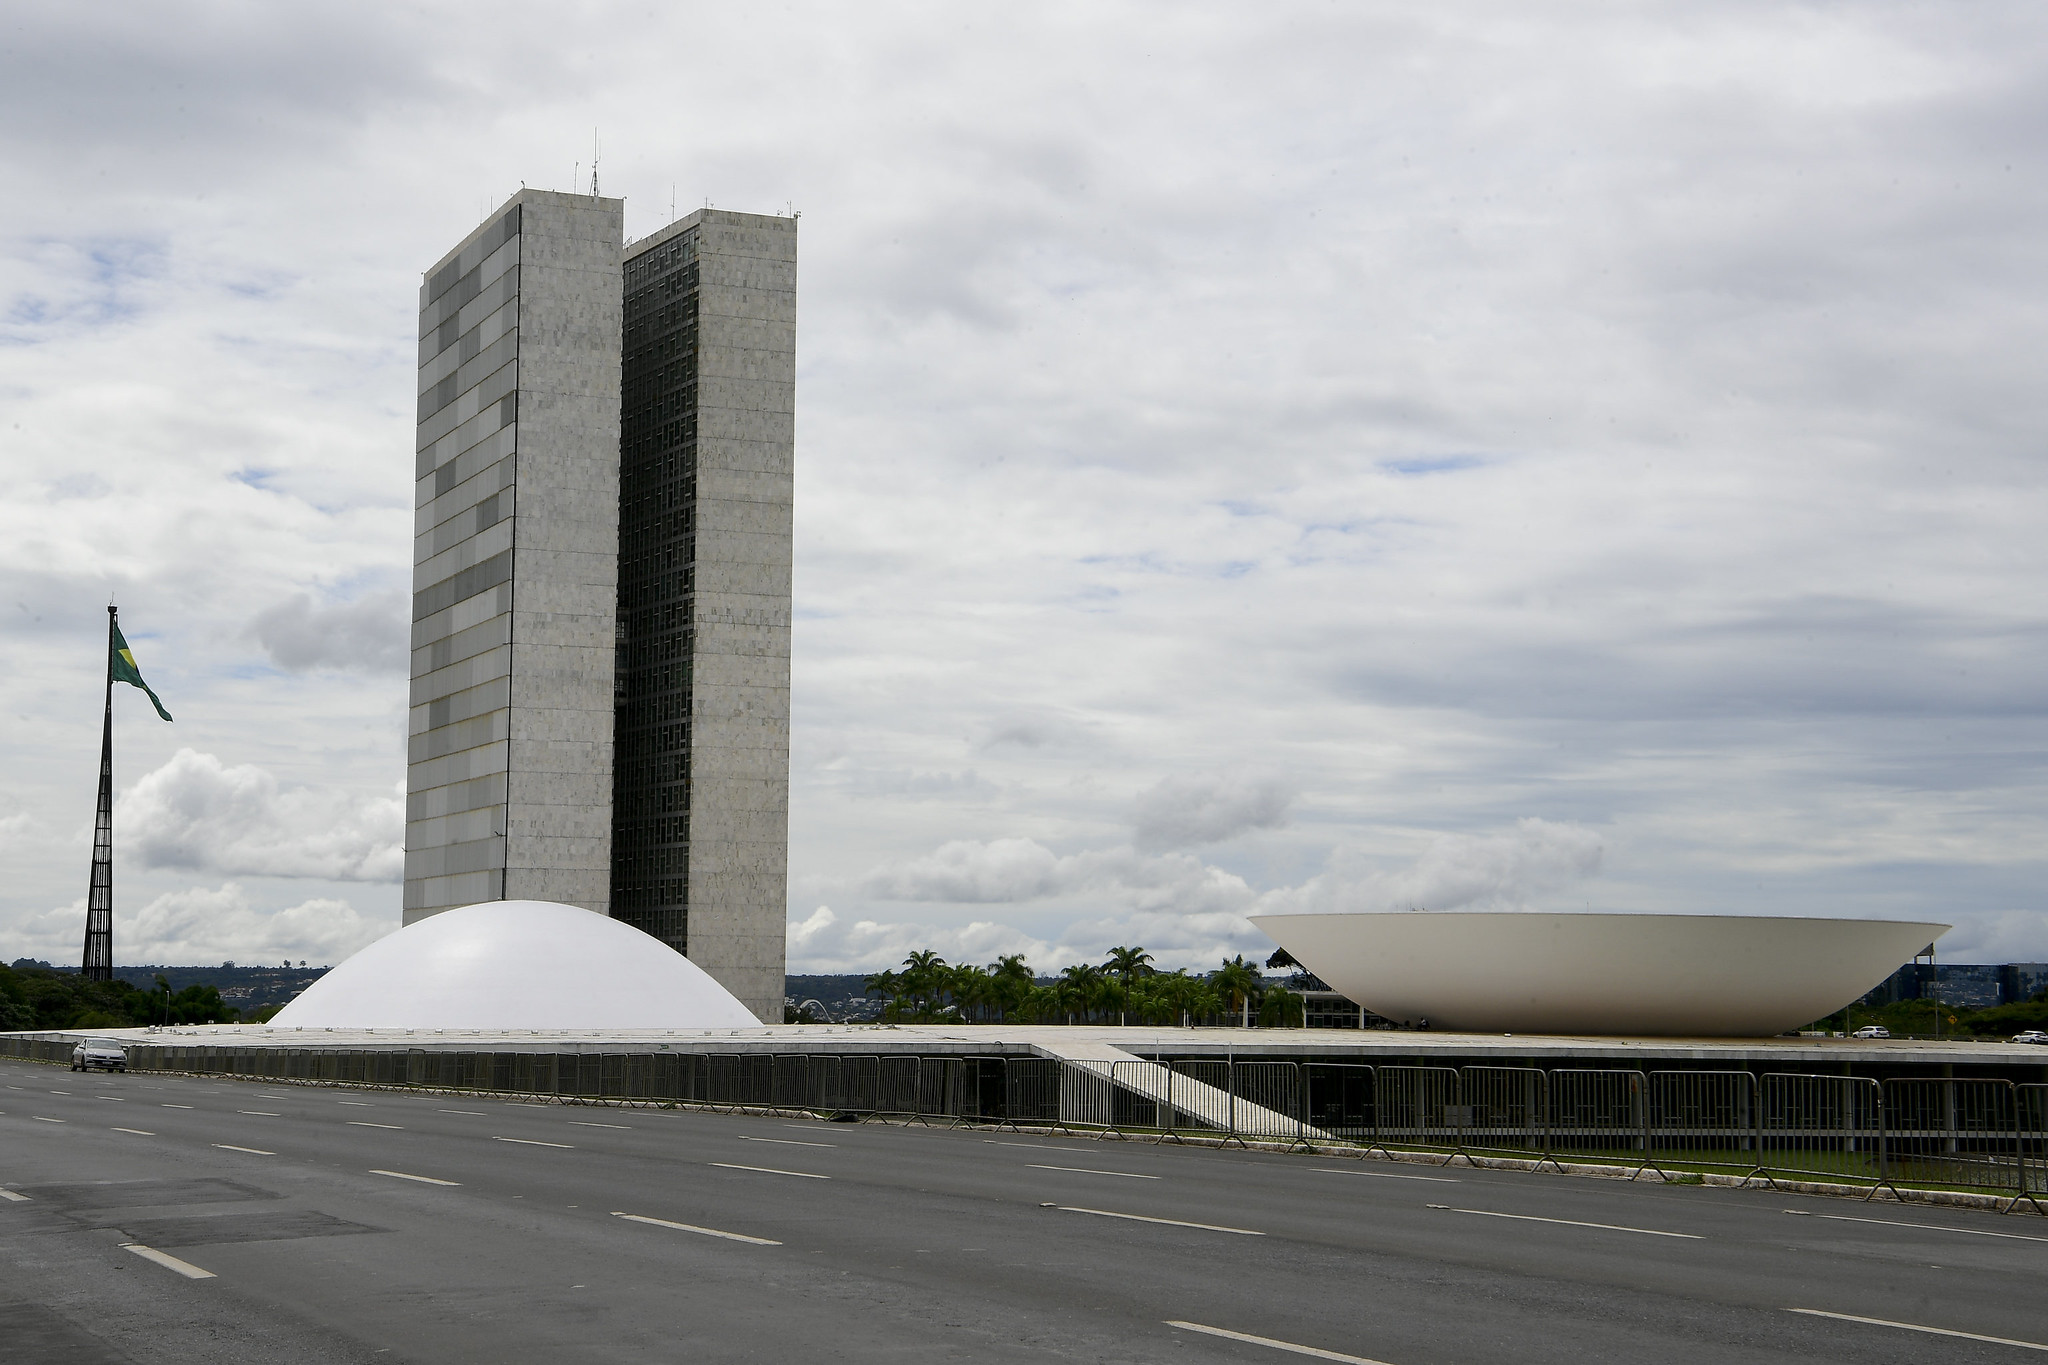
(1572, 1223)
(586, 1123)
(11, 1197)
(252, 1151)
(1169, 1222)
(1318, 1352)
(168, 1261)
(787, 1142)
(1924, 1227)
(358, 1123)
(692, 1227)
(767, 1170)
(1389, 1175)
(137, 1131)
(423, 1179)
(533, 1142)
(1084, 1170)
(1917, 1327)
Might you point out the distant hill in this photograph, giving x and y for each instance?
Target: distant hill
(243, 988)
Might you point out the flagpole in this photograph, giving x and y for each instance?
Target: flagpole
(98, 964)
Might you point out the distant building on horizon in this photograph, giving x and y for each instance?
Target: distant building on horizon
(1969, 985)
(599, 711)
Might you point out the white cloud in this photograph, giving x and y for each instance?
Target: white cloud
(1178, 812)
(1508, 870)
(1628, 420)
(196, 813)
(366, 635)
(821, 942)
(200, 925)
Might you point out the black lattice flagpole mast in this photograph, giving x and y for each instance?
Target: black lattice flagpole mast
(98, 962)
(99, 895)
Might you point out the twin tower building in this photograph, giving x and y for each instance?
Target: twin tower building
(601, 577)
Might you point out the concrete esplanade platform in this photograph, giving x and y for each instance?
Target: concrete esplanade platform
(1836, 1056)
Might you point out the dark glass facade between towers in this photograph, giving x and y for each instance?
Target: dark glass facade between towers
(657, 533)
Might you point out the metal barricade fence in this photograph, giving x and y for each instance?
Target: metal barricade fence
(1503, 1108)
(1945, 1131)
(1031, 1091)
(1198, 1097)
(1087, 1096)
(1602, 1114)
(2030, 1104)
(792, 1082)
(1266, 1100)
(899, 1079)
(1830, 1126)
(1704, 1118)
(1413, 1105)
(1339, 1100)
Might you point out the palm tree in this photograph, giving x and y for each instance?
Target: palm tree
(1128, 964)
(1010, 983)
(889, 986)
(1237, 982)
(973, 988)
(1077, 988)
(923, 975)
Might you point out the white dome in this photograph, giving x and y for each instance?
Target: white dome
(517, 965)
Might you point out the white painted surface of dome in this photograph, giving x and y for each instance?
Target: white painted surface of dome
(517, 965)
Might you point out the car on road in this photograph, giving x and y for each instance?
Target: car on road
(2032, 1035)
(105, 1056)
(1872, 1031)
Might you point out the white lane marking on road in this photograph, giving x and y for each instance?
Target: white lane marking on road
(265, 1095)
(1916, 1327)
(473, 1113)
(168, 1262)
(586, 1123)
(1318, 1352)
(1084, 1170)
(1390, 1175)
(60, 1092)
(360, 1104)
(767, 1170)
(137, 1131)
(1570, 1223)
(259, 1113)
(423, 1179)
(533, 1142)
(115, 1098)
(358, 1123)
(11, 1197)
(787, 1142)
(40, 1119)
(692, 1227)
(1036, 1146)
(1169, 1222)
(175, 1106)
(1924, 1227)
(252, 1151)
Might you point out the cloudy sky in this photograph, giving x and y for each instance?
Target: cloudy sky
(1299, 456)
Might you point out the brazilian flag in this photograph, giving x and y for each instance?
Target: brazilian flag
(121, 668)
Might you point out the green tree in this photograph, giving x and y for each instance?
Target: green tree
(1128, 964)
(1238, 982)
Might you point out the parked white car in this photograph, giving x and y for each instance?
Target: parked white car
(1872, 1031)
(105, 1056)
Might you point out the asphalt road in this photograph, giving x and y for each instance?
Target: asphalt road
(355, 1226)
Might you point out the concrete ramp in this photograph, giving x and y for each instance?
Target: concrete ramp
(1095, 1071)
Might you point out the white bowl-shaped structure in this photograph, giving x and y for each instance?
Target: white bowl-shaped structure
(1668, 975)
(510, 965)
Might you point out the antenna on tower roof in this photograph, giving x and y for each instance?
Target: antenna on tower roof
(596, 149)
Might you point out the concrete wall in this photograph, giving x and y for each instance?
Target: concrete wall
(508, 786)
(739, 721)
